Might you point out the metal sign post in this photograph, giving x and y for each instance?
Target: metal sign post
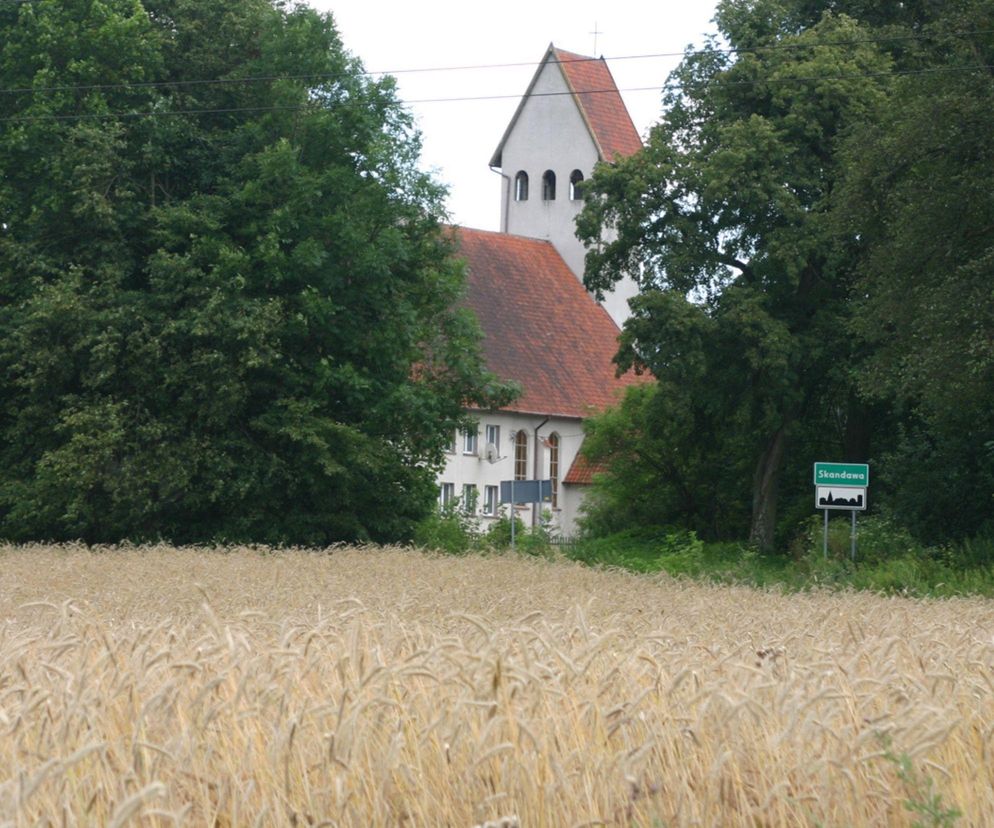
(841, 486)
(824, 545)
(852, 551)
(514, 517)
(523, 491)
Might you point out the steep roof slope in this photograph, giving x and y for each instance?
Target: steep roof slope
(541, 328)
(600, 104)
(592, 87)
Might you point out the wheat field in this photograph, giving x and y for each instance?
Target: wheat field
(369, 686)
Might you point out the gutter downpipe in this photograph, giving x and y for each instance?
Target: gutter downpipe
(538, 471)
(506, 199)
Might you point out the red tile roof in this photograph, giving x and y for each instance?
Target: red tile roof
(541, 327)
(582, 471)
(600, 103)
(596, 95)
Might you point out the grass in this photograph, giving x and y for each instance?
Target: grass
(888, 560)
(356, 687)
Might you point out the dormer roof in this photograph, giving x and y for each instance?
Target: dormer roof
(596, 95)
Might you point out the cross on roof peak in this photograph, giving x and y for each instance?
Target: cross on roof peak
(595, 32)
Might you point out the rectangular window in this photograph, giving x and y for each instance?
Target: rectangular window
(469, 498)
(446, 494)
(493, 437)
(450, 447)
(469, 441)
(491, 497)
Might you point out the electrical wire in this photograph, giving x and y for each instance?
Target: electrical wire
(469, 98)
(483, 66)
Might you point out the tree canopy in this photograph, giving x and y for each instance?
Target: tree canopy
(772, 223)
(226, 296)
(742, 282)
(919, 194)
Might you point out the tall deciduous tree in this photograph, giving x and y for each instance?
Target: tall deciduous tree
(225, 294)
(724, 220)
(919, 196)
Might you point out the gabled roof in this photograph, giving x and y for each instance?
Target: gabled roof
(592, 87)
(541, 328)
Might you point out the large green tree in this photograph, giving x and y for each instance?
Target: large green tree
(226, 298)
(919, 197)
(725, 222)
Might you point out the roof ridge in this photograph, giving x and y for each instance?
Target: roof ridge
(504, 234)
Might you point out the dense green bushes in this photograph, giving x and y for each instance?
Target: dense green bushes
(888, 560)
(452, 530)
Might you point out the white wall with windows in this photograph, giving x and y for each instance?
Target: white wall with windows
(506, 448)
(549, 144)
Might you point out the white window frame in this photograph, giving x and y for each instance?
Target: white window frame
(491, 500)
(470, 498)
(493, 436)
(446, 494)
(471, 440)
(450, 447)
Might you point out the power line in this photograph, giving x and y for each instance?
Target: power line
(690, 52)
(103, 116)
(722, 82)
(478, 66)
(469, 98)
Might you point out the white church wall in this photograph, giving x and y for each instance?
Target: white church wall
(550, 134)
(464, 467)
(571, 502)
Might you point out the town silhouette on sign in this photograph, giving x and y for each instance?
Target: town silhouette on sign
(831, 500)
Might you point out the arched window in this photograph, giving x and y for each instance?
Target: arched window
(548, 186)
(575, 185)
(521, 455)
(521, 186)
(554, 467)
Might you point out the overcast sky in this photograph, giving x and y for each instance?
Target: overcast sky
(460, 136)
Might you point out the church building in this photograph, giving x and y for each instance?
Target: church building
(541, 327)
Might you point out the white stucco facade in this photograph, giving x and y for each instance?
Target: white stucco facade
(467, 466)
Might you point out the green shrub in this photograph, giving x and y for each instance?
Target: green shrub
(498, 535)
(448, 529)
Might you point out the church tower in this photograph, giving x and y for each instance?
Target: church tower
(570, 118)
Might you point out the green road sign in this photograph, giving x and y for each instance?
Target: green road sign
(842, 474)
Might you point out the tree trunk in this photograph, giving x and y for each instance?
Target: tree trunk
(859, 429)
(765, 486)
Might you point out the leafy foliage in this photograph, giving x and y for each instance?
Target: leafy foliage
(226, 305)
(811, 226)
(724, 222)
(455, 530)
(920, 196)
